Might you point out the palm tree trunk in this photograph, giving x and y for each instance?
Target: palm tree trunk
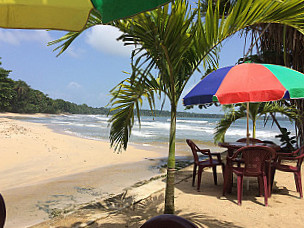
(169, 195)
(253, 128)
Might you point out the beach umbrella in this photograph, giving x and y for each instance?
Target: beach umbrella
(247, 82)
(70, 15)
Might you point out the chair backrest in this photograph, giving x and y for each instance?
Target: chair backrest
(2, 212)
(255, 158)
(168, 221)
(194, 149)
(251, 140)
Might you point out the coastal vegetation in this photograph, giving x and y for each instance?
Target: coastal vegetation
(171, 43)
(19, 97)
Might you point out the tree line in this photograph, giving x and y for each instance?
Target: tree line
(19, 97)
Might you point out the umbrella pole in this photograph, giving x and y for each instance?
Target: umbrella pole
(248, 134)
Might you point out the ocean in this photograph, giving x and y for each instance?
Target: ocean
(155, 131)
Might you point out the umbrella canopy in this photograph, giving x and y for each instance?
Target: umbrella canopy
(247, 82)
(68, 15)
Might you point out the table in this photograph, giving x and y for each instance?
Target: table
(232, 146)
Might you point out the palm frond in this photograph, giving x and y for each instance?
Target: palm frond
(291, 111)
(224, 124)
(126, 100)
(65, 41)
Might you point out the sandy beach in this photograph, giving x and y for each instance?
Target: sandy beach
(55, 180)
(42, 170)
(207, 208)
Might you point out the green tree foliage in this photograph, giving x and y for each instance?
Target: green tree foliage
(7, 92)
(19, 97)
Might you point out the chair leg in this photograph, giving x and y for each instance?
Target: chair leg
(230, 181)
(226, 176)
(296, 181)
(273, 170)
(239, 189)
(260, 181)
(299, 184)
(199, 177)
(265, 191)
(214, 175)
(194, 174)
(269, 177)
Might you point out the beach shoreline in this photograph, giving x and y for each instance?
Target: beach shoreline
(44, 170)
(38, 164)
(23, 141)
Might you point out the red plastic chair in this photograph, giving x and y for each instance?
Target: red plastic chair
(201, 164)
(257, 161)
(297, 155)
(2, 212)
(168, 221)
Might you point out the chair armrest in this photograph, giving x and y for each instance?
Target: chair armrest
(218, 155)
(287, 158)
(284, 154)
(291, 155)
(205, 152)
(300, 156)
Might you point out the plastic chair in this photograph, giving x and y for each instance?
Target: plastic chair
(251, 140)
(2, 212)
(168, 221)
(257, 161)
(201, 164)
(298, 156)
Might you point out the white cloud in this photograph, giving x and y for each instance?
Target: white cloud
(103, 38)
(75, 52)
(16, 37)
(74, 85)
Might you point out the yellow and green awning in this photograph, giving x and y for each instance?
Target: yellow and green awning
(68, 15)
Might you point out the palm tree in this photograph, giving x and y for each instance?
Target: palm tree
(256, 110)
(172, 42)
(283, 45)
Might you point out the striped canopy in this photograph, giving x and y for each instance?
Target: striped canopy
(68, 15)
(247, 82)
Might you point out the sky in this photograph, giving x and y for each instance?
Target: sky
(89, 69)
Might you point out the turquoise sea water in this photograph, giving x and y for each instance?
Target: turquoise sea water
(155, 130)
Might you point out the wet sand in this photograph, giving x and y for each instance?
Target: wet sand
(36, 203)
